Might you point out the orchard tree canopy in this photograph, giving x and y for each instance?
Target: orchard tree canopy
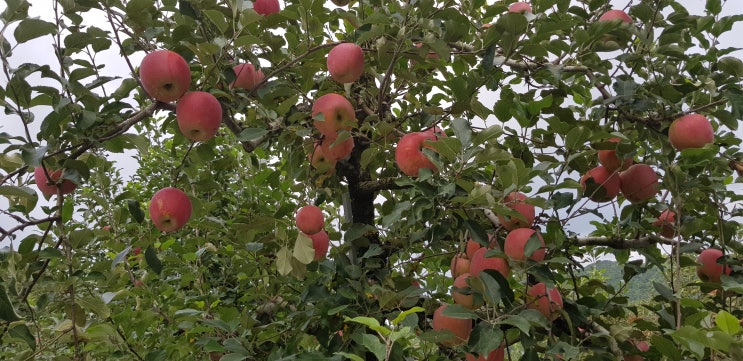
(153, 169)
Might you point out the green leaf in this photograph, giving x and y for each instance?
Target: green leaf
(727, 323)
(304, 251)
(485, 338)
(370, 322)
(96, 305)
(7, 312)
(284, 261)
(157, 355)
(218, 19)
(457, 311)
(16, 195)
(374, 345)
(135, 210)
(22, 332)
(348, 356)
(462, 131)
(33, 28)
(249, 134)
(404, 314)
(33, 156)
(519, 322)
(50, 253)
(150, 256)
(714, 6)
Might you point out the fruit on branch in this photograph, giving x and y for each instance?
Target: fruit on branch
(639, 183)
(165, 75)
(199, 115)
(310, 219)
(616, 38)
(321, 244)
(516, 241)
(691, 131)
(246, 76)
(613, 15)
(266, 7)
(600, 185)
(460, 265)
(480, 263)
(331, 113)
(667, 223)
(170, 209)
(460, 327)
(516, 201)
(321, 162)
(498, 354)
(48, 187)
(519, 7)
(346, 62)
(547, 301)
(409, 153)
(336, 149)
(466, 300)
(471, 248)
(608, 158)
(708, 269)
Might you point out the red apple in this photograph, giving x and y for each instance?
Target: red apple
(466, 301)
(106, 228)
(640, 345)
(346, 62)
(516, 241)
(246, 76)
(170, 209)
(337, 114)
(321, 244)
(515, 201)
(310, 219)
(608, 158)
(460, 264)
(320, 161)
(199, 115)
(48, 187)
(616, 15)
(667, 223)
(480, 263)
(460, 327)
(600, 185)
(498, 354)
(266, 7)
(471, 248)
(639, 183)
(409, 153)
(691, 131)
(335, 150)
(519, 7)
(708, 269)
(547, 301)
(165, 75)
(137, 251)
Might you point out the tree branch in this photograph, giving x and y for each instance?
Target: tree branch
(621, 243)
(380, 184)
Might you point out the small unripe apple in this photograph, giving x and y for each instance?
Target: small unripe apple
(266, 7)
(170, 209)
(460, 265)
(346, 62)
(612, 15)
(667, 223)
(48, 186)
(246, 76)
(519, 7)
(409, 153)
(337, 114)
(516, 241)
(480, 263)
(460, 327)
(199, 115)
(467, 301)
(310, 219)
(547, 301)
(708, 269)
(691, 131)
(639, 183)
(321, 244)
(600, 185)
(165, 75)
(498, 354)
(608, 158)
(516, 201)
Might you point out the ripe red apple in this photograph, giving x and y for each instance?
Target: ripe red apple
(310, 219)
(137, 251)
(199, 115)
(608, 158)
(106, 228)
(409, 153)
(321, 244)
(519, 7)
(321, 162)
(246, 76)
(616, 15)
(667, 223)
(639, 183)
(346, 62)
(337, 113)
(335, 150)
(600, 185)
(480, 263)
(640, 345)
(691, 131)
(165, 75)
(547, 301)
(515, 201)
(170, 209)
(460, 265)
(471, 248)
(467, 301)
(708, 269)
(460, 327)
(517, 239)
(266, 7)
(498, 354)
(48, 186)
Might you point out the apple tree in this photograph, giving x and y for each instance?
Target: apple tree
(457, 165)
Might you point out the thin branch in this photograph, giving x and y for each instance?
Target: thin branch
(621, 243)
(27, 224)
(380, 184)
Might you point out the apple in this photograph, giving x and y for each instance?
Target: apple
(310, 219)
(600, 185)
(321, 244)
(640, 345)
(321, 162)
(138, 283)
(460, 327)
(691, 131)
(460, 264)
(346, 62)
(612, 15)
(498, 354)
(137, 251)
(266, 7)
(639, 183)
(515, 201)
(246, 76)
(170, 209)
(409, 153)
(519, 7)
(106, 228)
(337, 114)
(471, 248)
(335, 150)
(48, 187)
(199, 115)
(547, 301)
(466, 301)
(165, 75)
(480, 263)
(516, 241)
(708, 269)
(608, 158)
(666, 222)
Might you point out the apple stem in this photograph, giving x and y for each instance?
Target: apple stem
(347, 87)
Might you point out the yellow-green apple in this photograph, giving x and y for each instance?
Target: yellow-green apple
(337, 114)
(639, 183)
(266, 7)
(667, 223)
(608, 158)
(519, 7)
(708, 269)
(612, 15)
(310, 219)
(337, 150)
(47, 186)
(516, 201)
(600, 185)
(466, 300)
(199, 115)
(471, 248)
(460, 327)
(346, 62)
(321, 162)
(165, 75)
(516, 241)
(691, 131)
(547, 301)
(480, 263)
(321, 244)
(409, 153)
(170, 209)
(246, 76)
(460, 264)
(498, 354)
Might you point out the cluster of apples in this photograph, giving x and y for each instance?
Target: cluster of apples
(311, 222)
